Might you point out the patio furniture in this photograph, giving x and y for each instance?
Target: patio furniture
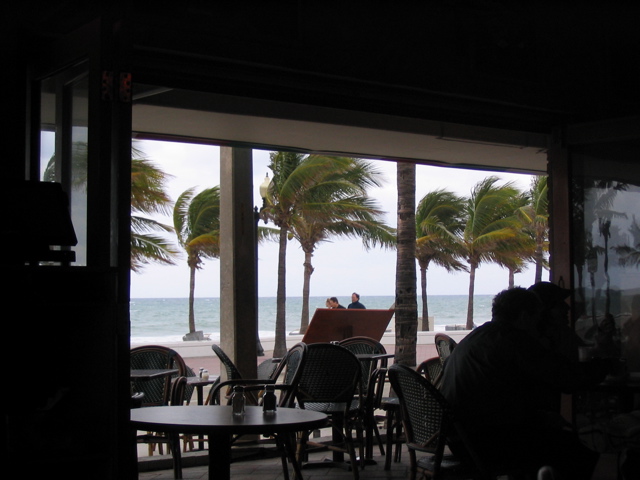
(431, 369)
(329, 383)
(220, 425)
(373, 362)
(176, 398)
(157, 389)
(393, 426)
(232, 374)
(427, 420)
(286, 375)
(444, 345)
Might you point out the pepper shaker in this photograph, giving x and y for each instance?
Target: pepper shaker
(237, 401)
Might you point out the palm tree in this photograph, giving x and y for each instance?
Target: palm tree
(283, 197)
(438, 225)
(406, 305)
(340, 207)
(149, 197)
(630, 254)
(535, 219)
(489, 223)
(517, 252)
(196, 219)
(310, 198)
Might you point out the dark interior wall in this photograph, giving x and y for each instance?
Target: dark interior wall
(464, 61)
(562, 62)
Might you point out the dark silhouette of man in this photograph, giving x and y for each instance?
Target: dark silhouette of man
(498, 379)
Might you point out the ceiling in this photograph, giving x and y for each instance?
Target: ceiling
(225, 120)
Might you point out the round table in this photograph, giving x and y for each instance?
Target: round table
(219, 423)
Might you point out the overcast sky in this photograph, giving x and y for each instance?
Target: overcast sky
(341, 266)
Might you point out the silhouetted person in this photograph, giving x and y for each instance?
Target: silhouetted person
(355, 301)
(493, 379)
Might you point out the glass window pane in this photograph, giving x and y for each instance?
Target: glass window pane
(606, 251)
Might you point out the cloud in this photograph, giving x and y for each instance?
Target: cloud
(341, 266)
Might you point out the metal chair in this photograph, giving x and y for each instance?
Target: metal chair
(444, 345)
(285, 380)
(373, 370)
(428, 421)
(157, 390)
(176, 398)
(329, 383)
(431, 369)
(232, 374)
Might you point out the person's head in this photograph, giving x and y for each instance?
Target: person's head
(550, 294)
(553, 299)
(517, 307)
(327, 303)
(333, 301)
(355, 297)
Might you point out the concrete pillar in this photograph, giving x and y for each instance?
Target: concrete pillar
(238, 259)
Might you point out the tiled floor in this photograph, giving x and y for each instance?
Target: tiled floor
(271, 469)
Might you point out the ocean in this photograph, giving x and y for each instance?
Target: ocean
(156, 320)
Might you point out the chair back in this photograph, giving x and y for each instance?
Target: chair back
(178, 391)
(330, 375)
(266, 368)
(285, 376)
(366, 346)
(431, 369)
(289, 371)
(444, 345)
(425, 412)
(230, 368)
(156, 390)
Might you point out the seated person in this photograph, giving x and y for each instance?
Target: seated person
(355, 301)
(496, 380)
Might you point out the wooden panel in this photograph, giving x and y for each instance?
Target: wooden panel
(331, 325)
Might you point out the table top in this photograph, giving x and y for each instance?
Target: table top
(206, 419)
(199, 382)
(149, 373)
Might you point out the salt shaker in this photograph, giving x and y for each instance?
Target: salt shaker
(269, 400)
(237, 401)
(205, 374)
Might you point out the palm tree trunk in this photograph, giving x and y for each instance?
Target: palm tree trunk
(308, 270)
(472, 284)
(512, 278)
(406, 299)
(425, 308)
(280, 345)
(192, 290)
(538, 255)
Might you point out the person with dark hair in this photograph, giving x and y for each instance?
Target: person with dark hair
(554, 325)
(334, 303)
(355, 301)
(493, 380)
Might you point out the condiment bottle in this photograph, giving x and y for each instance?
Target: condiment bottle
(201, 372)
(269, 400)
(237, 401)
